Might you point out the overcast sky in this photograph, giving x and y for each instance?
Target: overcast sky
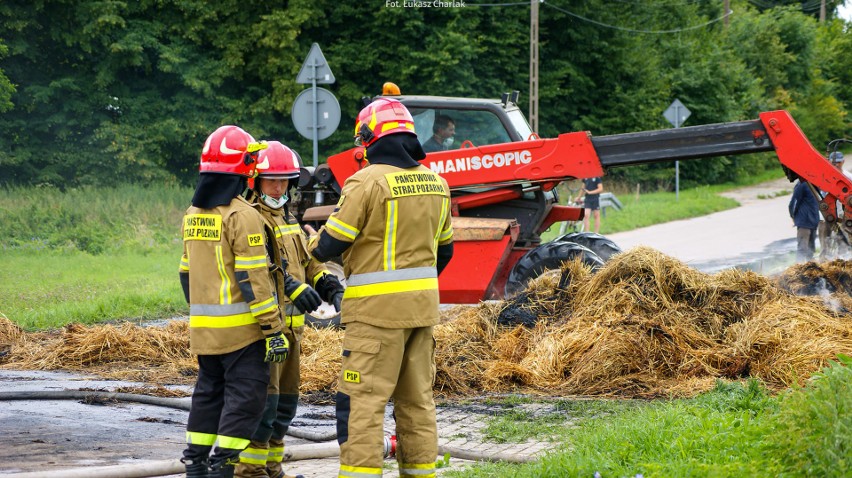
(844, 11)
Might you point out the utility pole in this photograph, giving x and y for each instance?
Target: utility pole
(822, 11)
(534, 65)
(728, 9)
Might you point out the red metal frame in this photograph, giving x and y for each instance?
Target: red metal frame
(796, 153)
(470, 201)
(477, 268)
(538, 160)
(560, 214)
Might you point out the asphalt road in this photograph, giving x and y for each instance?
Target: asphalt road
(759, 235)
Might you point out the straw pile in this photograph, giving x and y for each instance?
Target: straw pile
(122, 352)
(644, 325)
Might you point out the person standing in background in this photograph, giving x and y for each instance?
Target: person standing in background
(831, 243)
(804, 210)
(591, 194)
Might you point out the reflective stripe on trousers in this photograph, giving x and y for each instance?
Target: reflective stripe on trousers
(418, 470)
(347, 471)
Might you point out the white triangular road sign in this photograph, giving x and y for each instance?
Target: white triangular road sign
(322, 73)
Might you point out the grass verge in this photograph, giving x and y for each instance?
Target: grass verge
(648, 209)
(50, 289)
(735, 430)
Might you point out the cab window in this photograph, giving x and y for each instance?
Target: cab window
(479, 127)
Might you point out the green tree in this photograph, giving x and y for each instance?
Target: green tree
(99, 91)
(127, 91)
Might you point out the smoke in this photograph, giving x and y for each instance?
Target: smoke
(825, 294)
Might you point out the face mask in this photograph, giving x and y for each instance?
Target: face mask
(274, 203)
(448, 142)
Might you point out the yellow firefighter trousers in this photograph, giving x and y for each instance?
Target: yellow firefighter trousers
(378, 364)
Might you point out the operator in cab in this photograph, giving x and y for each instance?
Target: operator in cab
(392, 226)
(443, 131)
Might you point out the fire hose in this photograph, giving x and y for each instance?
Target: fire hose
(326, 449)
(140, 398)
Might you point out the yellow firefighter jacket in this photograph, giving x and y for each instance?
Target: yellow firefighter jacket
(395, 219)
(293, 246)
(231, 301)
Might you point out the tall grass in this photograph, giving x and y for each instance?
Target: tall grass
(48, 289)
(93, 220)
(813, 431)
(90, 255)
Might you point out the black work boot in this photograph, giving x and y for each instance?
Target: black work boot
(195, 468)
(221, 470)
(222, 464)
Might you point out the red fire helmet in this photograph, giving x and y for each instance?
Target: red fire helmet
(230, 150)
(277, 161)
(380, 118)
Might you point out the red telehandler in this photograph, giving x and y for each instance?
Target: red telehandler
(502, 177)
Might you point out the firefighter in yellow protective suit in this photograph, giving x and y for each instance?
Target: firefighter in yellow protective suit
(277, 169)
(392, 225)
(234, 321)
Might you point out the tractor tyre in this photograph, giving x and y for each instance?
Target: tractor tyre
(599, 244)
(550, 255)
(325, 315)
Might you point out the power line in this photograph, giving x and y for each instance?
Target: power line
(631, 30)
(644, 3)
(605, 25)
(497, 4)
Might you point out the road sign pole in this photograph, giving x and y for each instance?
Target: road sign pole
(677, 163)
(316, 114)
(314, 71)
(318, 197)
(676, 114)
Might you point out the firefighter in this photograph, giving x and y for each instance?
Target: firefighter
(234, 321)
(392, 226)
(278, 170)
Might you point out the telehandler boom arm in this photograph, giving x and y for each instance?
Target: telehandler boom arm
(503, 198)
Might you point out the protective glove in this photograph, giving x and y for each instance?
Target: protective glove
(304, 297)
(277, 347)
(331, 290)
(337, 300)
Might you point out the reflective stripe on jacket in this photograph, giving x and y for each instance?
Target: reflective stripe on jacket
(230, 291)
(292, 243)
(395, 219)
